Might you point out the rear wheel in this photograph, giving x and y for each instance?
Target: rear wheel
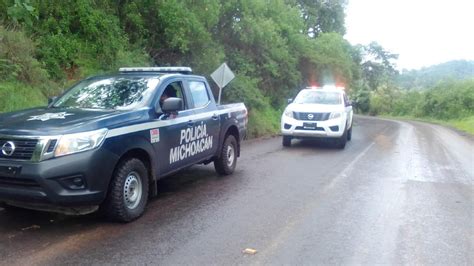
(128, 191)
(286, 141)
(227, 160)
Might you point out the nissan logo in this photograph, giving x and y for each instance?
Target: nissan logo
(8, 148)
(310, 116)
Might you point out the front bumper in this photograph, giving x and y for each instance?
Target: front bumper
(70, 181)
(332, 128)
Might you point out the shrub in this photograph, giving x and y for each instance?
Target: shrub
(15, 96)
(17, 58)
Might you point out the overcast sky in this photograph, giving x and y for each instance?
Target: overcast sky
(422, 32)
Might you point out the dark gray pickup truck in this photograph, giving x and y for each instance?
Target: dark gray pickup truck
(106, 141)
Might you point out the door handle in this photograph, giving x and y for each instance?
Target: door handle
(190, 123)
(215, 117)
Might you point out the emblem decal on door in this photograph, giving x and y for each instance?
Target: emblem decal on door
(154, 135)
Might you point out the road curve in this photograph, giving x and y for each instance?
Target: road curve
(401, 192)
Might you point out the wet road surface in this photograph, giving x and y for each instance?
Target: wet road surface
(401, 192)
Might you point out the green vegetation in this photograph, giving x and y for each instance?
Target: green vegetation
(430, 76)
(449, 102)
(465, 124)
(443, 94)
(274, 47)
(14, 96)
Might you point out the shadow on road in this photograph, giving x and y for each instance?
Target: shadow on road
(15, 220)
(326, 144)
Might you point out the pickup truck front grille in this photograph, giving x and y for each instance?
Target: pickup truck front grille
(311, 116)
(24, 148)
(310, 129)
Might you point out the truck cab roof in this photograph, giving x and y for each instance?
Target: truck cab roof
(150, 72)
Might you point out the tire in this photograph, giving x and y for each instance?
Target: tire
(128, 192)
(349, 134)
(342, 140)
(227, 160)
(286, 141)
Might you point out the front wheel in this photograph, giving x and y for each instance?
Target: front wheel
(349, 134)
(227, 160)
(286, 141)
(128, 191)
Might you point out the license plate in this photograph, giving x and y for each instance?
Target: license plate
(309, 125)
(9, 171)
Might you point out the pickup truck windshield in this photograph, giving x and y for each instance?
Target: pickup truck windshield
(119, 93)
(318, 97)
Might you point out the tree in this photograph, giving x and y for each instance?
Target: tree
(18, 12)
(377, 66)
(322, 16)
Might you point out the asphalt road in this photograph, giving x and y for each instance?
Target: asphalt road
(401, 192)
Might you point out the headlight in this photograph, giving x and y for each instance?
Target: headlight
(334, 115)
(74, 143)
(288, 113)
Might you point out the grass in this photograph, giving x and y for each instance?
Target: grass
(463, 124)
(263, 122)
(16, 96)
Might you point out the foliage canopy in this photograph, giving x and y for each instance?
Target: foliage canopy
(275, 47)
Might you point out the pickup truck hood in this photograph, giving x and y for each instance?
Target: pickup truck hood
(59, 121)
(315, 108)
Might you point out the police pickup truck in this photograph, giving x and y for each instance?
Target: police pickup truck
(106, 141)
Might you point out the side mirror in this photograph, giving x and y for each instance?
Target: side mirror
(51, 100)
(172, 105)
(290, 100)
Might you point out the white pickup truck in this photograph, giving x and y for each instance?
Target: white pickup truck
(318, 113)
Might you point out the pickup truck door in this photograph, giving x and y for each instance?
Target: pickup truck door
(168, 143)
(206, 117)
